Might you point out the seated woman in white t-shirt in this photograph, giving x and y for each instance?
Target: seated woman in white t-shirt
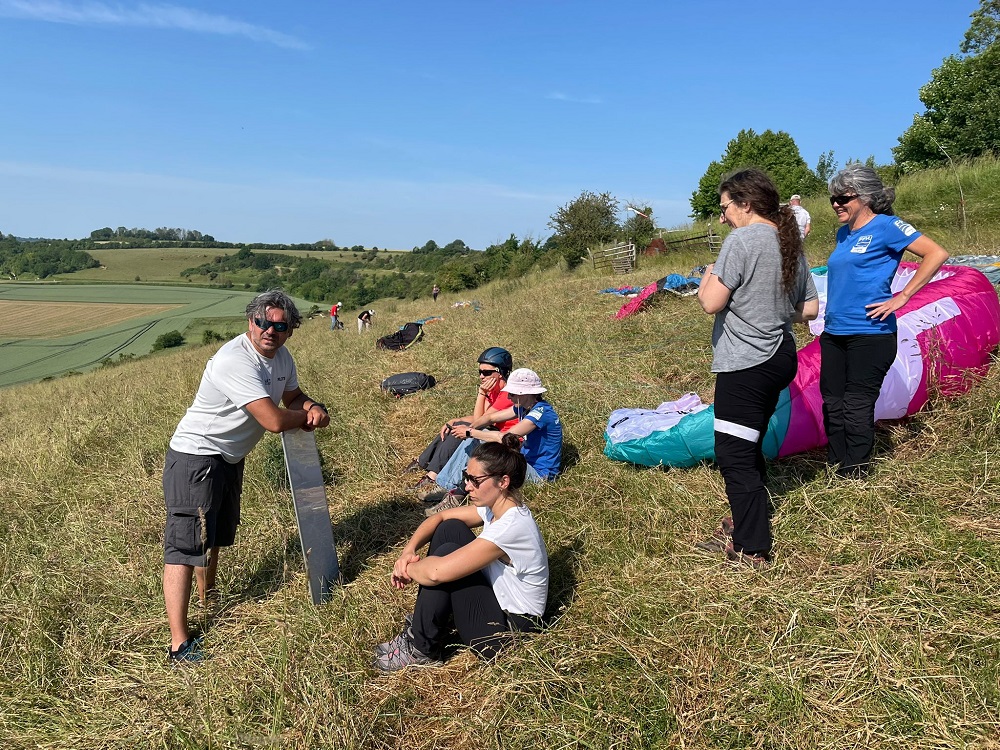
(487, 586)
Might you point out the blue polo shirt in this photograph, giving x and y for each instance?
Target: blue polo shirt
(542, 448)
(860, 271)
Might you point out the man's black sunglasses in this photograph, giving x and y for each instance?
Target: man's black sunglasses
(278, 325)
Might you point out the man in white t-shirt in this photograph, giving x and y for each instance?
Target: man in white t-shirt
(236, 403)
(801, 215)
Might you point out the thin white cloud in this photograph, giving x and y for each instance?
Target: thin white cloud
(559, 96)
(143, 15)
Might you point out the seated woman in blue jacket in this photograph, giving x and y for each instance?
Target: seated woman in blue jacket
(538, 426)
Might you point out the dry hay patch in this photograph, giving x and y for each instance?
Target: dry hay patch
(49, 320)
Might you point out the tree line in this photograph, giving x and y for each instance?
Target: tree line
(43, 258)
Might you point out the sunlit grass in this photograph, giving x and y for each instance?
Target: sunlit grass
(876, 628)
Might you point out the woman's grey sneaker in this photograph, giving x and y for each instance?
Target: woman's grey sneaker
(385, 648)
(188, 652)
(403, 656)
(452, 500)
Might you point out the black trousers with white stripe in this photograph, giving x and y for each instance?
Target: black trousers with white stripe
(744, 402)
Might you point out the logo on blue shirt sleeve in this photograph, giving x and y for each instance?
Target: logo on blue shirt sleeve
(902, 226)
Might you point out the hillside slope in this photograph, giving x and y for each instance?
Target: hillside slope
(877, 625)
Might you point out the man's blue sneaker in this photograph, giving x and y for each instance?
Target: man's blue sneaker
(188, 652)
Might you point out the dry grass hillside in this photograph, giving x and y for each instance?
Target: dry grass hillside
(876, 628)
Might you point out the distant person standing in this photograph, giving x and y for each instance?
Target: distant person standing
(435, 292)
(334, 311)
(236, 403)
(365, 319)
(802, 217)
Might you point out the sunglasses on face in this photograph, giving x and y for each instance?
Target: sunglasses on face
(841, 200)
(467, 478)
(279, 326)
(487, 373)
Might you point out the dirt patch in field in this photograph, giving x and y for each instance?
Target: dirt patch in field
(50, 320)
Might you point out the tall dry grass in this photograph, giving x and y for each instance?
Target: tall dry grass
(877, 626)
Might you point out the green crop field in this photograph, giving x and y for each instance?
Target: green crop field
(164, 265)
(109, 322)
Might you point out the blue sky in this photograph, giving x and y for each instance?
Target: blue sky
(391, 123)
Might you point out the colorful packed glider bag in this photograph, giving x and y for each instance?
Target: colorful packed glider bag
(946, 335)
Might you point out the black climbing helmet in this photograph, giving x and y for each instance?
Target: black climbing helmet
(498, 357)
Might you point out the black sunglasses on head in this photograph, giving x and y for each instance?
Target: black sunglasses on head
(278, 325)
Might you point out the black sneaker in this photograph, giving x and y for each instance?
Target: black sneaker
(187, 653)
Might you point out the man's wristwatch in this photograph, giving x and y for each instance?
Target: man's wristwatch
(468, 432)
(317, 403)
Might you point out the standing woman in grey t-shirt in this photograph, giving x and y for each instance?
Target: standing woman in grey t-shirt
(757, 288)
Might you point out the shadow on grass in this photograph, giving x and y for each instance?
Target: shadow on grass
(570, 457)
(372, 531)
(790, 473)
(564, 567)
(367, 533)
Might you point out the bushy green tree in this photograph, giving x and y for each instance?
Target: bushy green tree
(639, 226)
(826, 167)
(168, 340)
(589, 220)
(985, 27)
(962, 118)
(775, 153)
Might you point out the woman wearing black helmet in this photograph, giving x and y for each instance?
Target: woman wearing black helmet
(495, 365)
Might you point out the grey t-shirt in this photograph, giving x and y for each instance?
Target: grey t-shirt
(759, 312)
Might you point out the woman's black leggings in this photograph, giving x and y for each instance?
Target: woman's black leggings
(482, 625)
(744, 402)
(850, 379)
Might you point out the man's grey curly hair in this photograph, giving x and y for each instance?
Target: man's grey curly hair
(274, 298)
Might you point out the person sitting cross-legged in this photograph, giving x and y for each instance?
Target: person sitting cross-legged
(495, 365)
(538, 427)
(489, 586)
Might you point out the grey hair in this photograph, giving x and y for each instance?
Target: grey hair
(274, 298)
(867, 185)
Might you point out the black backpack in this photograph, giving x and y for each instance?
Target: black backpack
(406, 383)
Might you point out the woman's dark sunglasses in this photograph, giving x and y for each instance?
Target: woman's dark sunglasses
(279, 326)
(841, 200)
(474, 481)
(487, 373)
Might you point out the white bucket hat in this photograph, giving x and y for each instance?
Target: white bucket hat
(523, 382)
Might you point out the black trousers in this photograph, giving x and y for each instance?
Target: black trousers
(851, 375)
(436, 455)
(470, 602)
(744, 402)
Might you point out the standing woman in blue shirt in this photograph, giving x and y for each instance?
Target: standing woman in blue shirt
(858, 344)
